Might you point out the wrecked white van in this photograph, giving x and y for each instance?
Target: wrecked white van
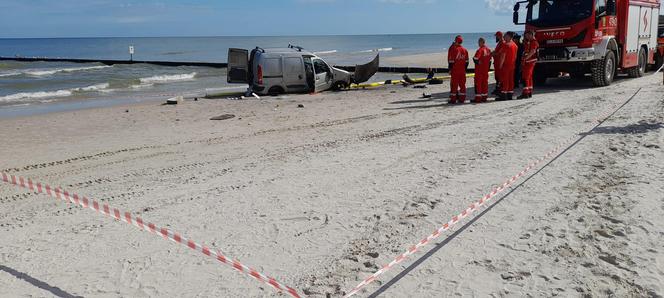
(291, 70)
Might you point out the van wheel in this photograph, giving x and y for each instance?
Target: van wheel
(340, 85)
(604, 70)
(640, 70)
(276, 90)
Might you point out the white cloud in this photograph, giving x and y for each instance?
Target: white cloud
(500, 6)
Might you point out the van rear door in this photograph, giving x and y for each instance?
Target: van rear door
(238, 66)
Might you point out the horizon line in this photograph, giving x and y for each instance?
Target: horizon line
(216, 36)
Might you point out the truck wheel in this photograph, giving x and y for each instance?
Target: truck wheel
(604, 70)
(640, 70)
(659, 61)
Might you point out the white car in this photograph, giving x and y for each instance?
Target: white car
(291, 70)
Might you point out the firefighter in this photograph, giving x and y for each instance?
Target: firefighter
(499, 46)
(528, 63)
(458, 61)
(482, 64)
(507, 64)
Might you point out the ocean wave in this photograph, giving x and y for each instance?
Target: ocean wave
(325, 52)
(36, 95)
(52, 94)
(142, 86)
(97, 87)
(48, 72)
(169, 78)
(10, 74)
(377, 50)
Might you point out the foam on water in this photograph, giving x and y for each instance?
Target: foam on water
(96, 87)
(377, 50)
(36, 95)
(48, 72)
(326, 52)
(168, 78)
(52, 94)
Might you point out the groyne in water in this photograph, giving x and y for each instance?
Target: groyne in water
(386, 69)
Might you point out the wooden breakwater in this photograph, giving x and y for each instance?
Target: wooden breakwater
(113, 62)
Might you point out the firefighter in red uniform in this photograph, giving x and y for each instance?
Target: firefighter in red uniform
(458, 61)
(496, 62)
(528, 61)
(507, 65)
(482, 64)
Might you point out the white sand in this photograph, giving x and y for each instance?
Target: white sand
(320, 197)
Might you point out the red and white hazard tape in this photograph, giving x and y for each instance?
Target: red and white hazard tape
(126, 217)
(477, 205)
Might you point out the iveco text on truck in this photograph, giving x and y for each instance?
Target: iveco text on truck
(597, 37)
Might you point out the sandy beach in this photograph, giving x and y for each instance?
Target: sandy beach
(320, 197)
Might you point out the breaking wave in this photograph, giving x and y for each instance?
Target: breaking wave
(52, 94)
(325, 52)
(377, 50)
(48, 72)
(97, 87)
(36, 95)
(168, 78)
(10, 74)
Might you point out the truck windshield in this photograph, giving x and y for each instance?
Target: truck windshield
(546, 13)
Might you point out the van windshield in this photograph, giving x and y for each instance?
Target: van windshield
(547, 13)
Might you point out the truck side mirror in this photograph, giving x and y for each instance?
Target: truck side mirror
(515, 18)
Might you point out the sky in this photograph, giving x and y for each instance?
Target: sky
(133, 18)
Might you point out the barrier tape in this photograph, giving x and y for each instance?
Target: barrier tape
(482, 202)
(63, 195)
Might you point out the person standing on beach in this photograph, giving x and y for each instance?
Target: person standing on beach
(482, 64)
(507, 65)
(496, 63)
(528, 62)
(519, 56)
(458, 64)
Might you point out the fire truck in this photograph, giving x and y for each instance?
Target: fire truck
(598, 37)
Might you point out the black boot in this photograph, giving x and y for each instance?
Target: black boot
(523, 96)
(501, 97)
(509, 96)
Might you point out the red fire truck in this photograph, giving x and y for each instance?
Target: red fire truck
(597, 37)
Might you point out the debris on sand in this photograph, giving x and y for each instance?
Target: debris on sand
(223, 117)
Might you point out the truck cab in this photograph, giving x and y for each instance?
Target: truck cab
(597, 37)
(290, 70)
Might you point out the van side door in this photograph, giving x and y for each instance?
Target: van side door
(238, 66)
(294, 74)
(323, 75)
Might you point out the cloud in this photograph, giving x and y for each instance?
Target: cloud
(500, 6)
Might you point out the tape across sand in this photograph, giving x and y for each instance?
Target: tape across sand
(319, 197)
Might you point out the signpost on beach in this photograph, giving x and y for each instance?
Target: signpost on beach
(131, 53)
